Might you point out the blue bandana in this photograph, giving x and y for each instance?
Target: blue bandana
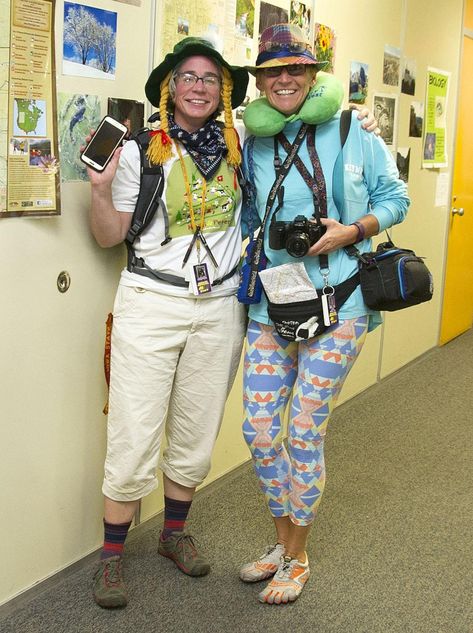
(205, 146)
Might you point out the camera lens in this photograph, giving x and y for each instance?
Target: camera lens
(297, 244)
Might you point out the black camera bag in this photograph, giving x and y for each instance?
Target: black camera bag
(393, 278)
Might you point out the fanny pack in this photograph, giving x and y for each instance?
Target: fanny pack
(393, 278)
(302, 320)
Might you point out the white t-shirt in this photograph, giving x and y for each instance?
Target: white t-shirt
(221, 222)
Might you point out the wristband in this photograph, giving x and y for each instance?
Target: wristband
(361, 232)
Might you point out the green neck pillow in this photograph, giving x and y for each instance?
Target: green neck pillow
(322, 102)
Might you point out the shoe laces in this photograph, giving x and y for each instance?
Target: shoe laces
(286, 567)
(187, 543)
(269, 550)
(113, 572)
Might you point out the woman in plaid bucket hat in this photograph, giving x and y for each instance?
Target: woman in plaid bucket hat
(350, 195)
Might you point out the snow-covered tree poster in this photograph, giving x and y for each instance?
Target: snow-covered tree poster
(89, 41)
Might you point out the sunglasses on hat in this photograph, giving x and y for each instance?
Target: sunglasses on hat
(277, 47)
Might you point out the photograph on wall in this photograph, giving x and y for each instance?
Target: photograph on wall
(408, 76)
(245, 18)
(269, 15)
(403, 156)
(300, 16)
(358, 82)
(416, 119)
(391, 64)
(89, 41)
(77, 115)
(128, 112)
(183, 26)
(435, 147)
(324, 45)
(385, 111)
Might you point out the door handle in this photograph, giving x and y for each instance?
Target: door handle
(459, 211)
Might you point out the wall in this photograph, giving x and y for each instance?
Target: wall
(53, 431)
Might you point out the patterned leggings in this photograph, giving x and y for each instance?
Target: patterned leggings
(293, 479)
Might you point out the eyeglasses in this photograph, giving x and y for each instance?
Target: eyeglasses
(277, 47)
(294, 70)
(189, 79)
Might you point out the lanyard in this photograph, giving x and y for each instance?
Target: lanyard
(316, 183)
(198, 237)
(277, 189)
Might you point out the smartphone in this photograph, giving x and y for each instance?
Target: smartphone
(108, 136)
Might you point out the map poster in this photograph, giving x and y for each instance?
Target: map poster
(435, 122)
(32, 183)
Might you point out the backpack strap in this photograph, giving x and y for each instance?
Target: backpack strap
(345, 122)
(151, 190)
(338, 189)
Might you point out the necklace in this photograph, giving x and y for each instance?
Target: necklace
(198, 237)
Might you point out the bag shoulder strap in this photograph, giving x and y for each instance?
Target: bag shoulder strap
(248, 186)
(151, 190)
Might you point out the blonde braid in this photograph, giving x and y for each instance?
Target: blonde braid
(160, 145)
(229, 133)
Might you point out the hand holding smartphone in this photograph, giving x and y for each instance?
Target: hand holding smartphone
(99, 150)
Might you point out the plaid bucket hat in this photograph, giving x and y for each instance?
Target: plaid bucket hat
(284, 45)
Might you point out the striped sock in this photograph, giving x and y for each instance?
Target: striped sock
(114, 539)
(175, 515)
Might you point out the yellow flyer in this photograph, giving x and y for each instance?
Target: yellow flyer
(435, 124)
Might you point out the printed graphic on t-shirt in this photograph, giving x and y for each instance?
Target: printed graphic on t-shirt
(221, 199)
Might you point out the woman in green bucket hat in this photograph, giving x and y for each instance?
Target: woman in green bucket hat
(177, 325)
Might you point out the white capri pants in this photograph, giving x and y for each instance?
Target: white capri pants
(173, 363)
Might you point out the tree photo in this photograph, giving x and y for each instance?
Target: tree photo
(89, 41)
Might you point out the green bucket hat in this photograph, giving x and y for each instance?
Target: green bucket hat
(188, 47)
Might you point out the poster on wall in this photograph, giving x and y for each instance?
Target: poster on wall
(385, 110)
(403, 156)
(29, 181)
(270, 14)
(391, 63)
(127, 111)
(89, 41)
(300, 16)
(77, 115)
(324, 45)
(228, 24)
(435, 123)
(416, 119)
(358, 82)
(245, 18)
(212, 19)
(408, 80)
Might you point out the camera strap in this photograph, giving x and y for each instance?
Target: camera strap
(316, 183)
(282, 169)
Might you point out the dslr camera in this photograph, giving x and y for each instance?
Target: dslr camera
(296, 236)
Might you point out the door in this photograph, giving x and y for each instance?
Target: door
(457, 315)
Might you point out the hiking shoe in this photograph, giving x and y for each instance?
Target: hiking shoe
(265, 566)
(109, 588)
(288, 582)
(180, 547)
